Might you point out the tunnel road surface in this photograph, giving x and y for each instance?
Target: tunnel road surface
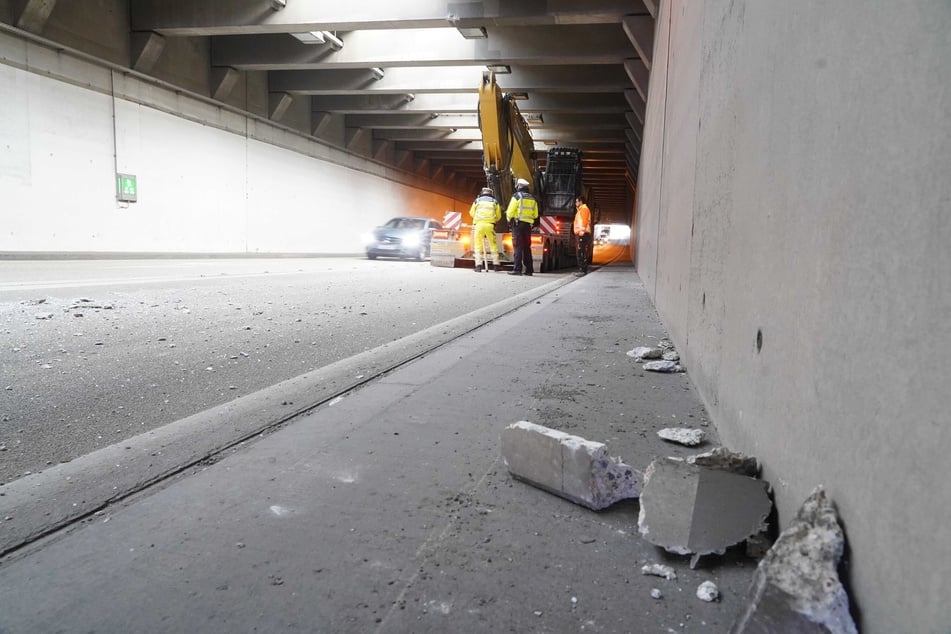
(95, 352)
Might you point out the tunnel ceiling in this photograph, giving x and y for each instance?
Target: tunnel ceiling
(407, 73)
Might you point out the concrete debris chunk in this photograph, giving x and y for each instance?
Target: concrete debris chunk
(796, 586)
(689, 437)
(642, 352)
(662, 366)
(673, 355)
(656, 594)
(659, 570)
(43, 315)
(569, 466)
(726, 460)
(689, 509)
(665, 344)
(708, 591)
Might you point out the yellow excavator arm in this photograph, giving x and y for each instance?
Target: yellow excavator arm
(507, 147)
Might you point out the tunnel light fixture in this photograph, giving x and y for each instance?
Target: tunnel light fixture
(472, 32)
(310, 37)
(533, 117)
(377, 73)
(499, 69)
(518, 95)
(277, 5)
(335, 42)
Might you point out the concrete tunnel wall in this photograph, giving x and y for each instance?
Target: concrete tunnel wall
(793, 231)
(210, 180)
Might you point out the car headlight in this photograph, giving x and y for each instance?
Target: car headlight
(411, 240)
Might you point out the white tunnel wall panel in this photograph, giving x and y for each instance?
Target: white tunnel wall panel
(200, 188)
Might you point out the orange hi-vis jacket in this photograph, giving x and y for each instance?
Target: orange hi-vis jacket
(582, 220)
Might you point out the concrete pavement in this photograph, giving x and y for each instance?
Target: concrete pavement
(388, 509)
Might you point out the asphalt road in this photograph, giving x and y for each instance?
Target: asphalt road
(95, 352)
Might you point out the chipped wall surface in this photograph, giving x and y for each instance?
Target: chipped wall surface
(805, 146)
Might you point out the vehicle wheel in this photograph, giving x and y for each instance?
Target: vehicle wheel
(421, 254)
(371, 256)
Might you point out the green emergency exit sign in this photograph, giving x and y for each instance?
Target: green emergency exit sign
(126, 188)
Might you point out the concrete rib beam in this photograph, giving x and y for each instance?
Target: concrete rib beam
(35, 14)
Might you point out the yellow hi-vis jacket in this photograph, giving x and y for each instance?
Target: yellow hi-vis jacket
(485, 209)
(524, 207)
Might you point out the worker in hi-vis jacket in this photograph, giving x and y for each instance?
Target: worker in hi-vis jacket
(582, 228)
(522, 213)
(485, 212)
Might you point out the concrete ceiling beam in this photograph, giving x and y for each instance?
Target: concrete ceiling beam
(600, 44)
(638, 76)
(637, 104)
(278, 103)
(466, 103)
(223, 81)
(35, 14)
(610, 78)
(562, 136)
(146, 50)
(414, 121)
(212, 17)
(640, 31)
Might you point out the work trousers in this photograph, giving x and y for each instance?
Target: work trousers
(584, 252)
(522, 245)
(482, 232)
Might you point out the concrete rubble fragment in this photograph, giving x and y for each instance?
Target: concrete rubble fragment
(43, 315)
(689, 509)
(659, 570)
(689, 437)
(673, 355)
(656, 594)
(708, 591)
(796, 586)
(726, 460)
(569, 466)
(643, 352)
(665, 344)
(663, 366)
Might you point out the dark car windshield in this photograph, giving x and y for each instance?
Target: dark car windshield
(406, 223)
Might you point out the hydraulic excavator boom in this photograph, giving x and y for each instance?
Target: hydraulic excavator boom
(507, 147)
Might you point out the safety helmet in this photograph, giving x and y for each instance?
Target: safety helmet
(486, 191)
(521, 184)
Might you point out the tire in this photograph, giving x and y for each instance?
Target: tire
(371, 256)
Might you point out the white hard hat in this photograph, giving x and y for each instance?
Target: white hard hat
(521, 183)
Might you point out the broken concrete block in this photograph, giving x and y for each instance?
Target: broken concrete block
(662, 366)
(673, 355)
(689, 437)
(665, 344)
(796, 586)
(726, 460)
(643, 352)
(688, 509)
(570, 466)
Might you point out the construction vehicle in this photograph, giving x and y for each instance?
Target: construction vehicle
(509, 154)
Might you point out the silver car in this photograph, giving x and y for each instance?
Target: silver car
(402, 237)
